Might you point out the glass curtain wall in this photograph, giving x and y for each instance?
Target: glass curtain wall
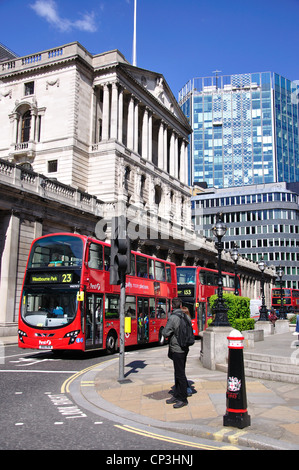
(239, 124)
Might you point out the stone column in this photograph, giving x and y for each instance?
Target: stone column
(93, 117)
(32, 135)
(130, 129)
(144, 152)
(161, 146)
(136, 122)
(114, 111)
(120, 114)
(14, 120)
(186, 165)
(165, 146)
(9, 264)
(150, 136)
(176, 156)
(172, 156)
(106, 114)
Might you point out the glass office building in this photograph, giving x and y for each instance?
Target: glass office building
(245, 129)
(262, 220)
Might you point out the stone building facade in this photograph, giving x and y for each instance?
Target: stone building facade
(84, 138)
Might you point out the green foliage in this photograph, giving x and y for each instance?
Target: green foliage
(243, 324)
(238, 313)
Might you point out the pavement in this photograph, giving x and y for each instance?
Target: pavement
(140, 398)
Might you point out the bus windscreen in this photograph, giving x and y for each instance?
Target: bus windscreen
(186, 276)
(59, 250)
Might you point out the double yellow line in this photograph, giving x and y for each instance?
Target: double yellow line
(173, 440)
(65, 388)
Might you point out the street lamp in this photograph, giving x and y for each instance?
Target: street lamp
(280, 273)
(235, 256)
(220, 309)
(264, 310)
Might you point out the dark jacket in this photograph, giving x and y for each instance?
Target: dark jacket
(171, 329)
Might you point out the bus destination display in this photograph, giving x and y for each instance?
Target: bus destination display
(57, 278)
(186, 292)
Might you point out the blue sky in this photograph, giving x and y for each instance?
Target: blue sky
(181, 39)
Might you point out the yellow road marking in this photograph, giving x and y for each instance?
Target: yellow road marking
(218, 436)
(66, 384)
(87, 383)
(170, 439)
(234, 438)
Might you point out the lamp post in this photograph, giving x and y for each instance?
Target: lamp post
(220, 309)
(264, 310)
(280, 273)
(235, 256)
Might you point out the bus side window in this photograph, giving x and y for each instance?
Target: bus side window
(130, 306)
(141, 266)
(151, 269)
(161, 308)
(111, 307)
(106, 258)
(133, 270)
(160, 271)
(168, 273)
(152, 307)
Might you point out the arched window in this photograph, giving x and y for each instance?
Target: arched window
(26, 125)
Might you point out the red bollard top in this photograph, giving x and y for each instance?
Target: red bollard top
(235, 340)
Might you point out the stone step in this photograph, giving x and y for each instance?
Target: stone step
(270, 375)
(276, 368)
(271, 366)
(262, 357)
(268, 361)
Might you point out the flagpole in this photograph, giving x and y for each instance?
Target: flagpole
(134, 35)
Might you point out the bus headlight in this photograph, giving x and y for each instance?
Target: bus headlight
(72, 335)
(21, 335)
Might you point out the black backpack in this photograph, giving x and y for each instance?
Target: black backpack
(185, 335)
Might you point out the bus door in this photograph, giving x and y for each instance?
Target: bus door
(94, 321)
(130, 312)
(142, 320)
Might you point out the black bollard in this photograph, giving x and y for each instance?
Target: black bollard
(236, 400)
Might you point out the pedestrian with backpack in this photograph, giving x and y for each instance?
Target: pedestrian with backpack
(176, 330)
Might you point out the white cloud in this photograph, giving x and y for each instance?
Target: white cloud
(48, 10)
(87, 23)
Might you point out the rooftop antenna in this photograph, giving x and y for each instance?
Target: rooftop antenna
(216, 75)
(134, 35)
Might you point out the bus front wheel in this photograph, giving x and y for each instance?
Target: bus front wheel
(111, 343)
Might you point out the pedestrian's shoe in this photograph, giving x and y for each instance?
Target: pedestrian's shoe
(171, 400)
(180, 404)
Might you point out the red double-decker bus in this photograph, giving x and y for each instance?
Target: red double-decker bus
(290, 299)
(196, 285)
(67, 301)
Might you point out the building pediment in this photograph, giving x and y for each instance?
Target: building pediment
(156, 84)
